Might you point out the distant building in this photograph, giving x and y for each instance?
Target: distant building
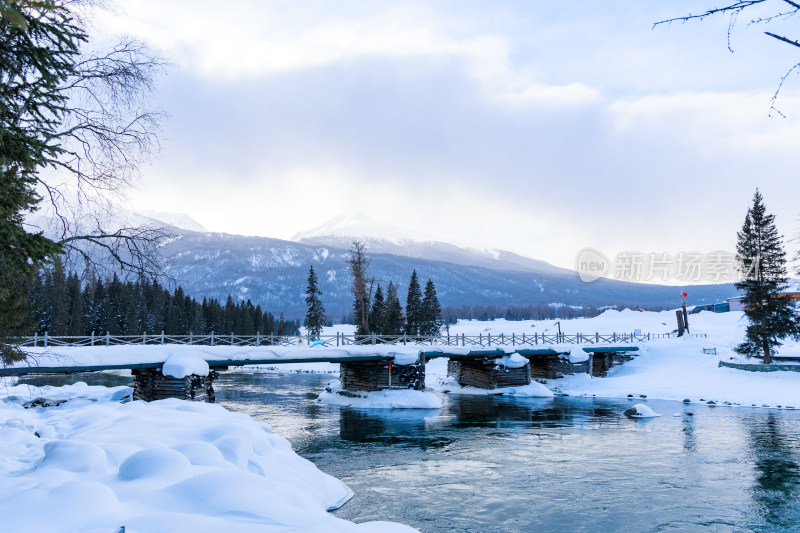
(719, 307)
(792, 293)
(735, 304)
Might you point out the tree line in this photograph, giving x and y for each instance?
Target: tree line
(63, 305)
(519, 312)
(375, 312)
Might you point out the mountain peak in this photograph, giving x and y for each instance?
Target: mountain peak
(355, 225)
(178, 220)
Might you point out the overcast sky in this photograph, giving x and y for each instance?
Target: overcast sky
(538, 127)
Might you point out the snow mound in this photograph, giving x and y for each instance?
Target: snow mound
(531, 390)
(514, 360)
(92, 464)
(640, 410)
(182, 364)
(404, 358)
(394, 399)
(578, 355)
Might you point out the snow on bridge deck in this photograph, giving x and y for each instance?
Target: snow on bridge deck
(63, 359)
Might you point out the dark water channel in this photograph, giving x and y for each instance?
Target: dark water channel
(486, 464)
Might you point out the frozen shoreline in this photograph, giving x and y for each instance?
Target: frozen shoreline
(93, 464)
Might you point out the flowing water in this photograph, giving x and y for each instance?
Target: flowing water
(485, 464)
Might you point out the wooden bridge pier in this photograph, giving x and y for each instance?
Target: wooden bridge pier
(487, 373)
(150, 384)
(368, 376)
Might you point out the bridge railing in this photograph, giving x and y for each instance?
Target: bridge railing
(341, 339)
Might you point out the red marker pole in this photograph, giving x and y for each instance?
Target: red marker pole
(390, 374)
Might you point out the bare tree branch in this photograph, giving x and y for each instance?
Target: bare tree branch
(784, 39)
(734, 9)
(132, 249)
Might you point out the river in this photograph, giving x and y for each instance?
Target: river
(486, 464)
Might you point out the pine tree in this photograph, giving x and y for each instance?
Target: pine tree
(393, 320)
(431, 312)
(413, 306)
(763, 260)
(377, 312)
(315, 316)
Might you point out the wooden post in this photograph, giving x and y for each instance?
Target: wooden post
(191, 338)
(685, 317)
(337, 338)
(373, 343)
(405, 338)
(108, 337)
(45, 336)
(231, 338)
(212, 337)
(144, 337)
(463, 340)
(35, 339)
(591, 363)
(480, 338)
(489, 336)
(258, 338)
(272, 339)
(681, 325)
(513, 340)
(162, 336)
(596, 337)
(45, 339)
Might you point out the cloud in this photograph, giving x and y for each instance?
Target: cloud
(538, 129)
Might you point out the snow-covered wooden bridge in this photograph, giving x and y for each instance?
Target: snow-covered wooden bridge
(187, 371)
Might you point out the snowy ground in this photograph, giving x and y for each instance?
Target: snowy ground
(609, 322)
(94, 464)
(98, 462)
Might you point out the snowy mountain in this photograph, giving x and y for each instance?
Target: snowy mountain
(272, 272)
(177, 220)
(380, 237)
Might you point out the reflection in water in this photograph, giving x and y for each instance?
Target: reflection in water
(499, 464)
(774, 447)
(387, 428)
(689, 438)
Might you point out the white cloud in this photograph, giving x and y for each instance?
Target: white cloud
(534, 128)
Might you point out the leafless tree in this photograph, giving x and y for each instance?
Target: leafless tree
(774, 10)
(358, 263)
(108, 131)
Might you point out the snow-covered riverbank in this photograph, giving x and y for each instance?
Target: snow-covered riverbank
(668, 368)
(94, 464)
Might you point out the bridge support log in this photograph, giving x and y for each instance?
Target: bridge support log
(368, 376)
(555, 366)
(485, 373)
(603, 362)
(150, 384)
